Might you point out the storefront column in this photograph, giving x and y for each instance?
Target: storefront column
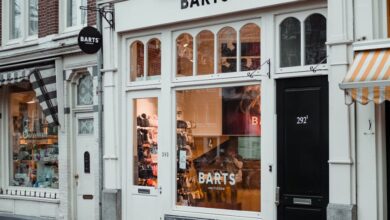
(341, 153)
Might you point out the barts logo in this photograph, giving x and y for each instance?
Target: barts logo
(89, 40)
(197, 3)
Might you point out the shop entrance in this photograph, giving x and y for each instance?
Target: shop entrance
(302, 142)
(86, 152)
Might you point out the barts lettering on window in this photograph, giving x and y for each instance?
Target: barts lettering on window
(192, 3)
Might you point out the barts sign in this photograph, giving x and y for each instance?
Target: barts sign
(197, 3)
(90, 40)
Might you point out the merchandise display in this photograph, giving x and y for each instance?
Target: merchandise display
(218, 160)
(34, 144)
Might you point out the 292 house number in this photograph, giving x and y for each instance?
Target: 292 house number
(302, 120)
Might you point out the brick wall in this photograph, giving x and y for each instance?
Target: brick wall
(91, 14)
(47, 17)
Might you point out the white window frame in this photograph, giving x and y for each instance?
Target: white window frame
(301, 16)
(24, 26)
(64, 19)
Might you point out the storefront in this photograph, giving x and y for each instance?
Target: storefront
(199, 90)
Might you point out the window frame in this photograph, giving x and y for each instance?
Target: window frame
(215, 28)
(301, 17)
(24, 26)
(64, 19)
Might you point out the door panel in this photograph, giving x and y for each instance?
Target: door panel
(388, 155)
(302, 109)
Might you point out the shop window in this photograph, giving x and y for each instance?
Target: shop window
(145, 150)
(218, 148)
(290, 42)
(33, 142)
(250, 47)
(74, 16)
(227, 50)
(137, 61)
(154, 57)
(85, 90)
(205, 53)
(315, 38)
(23, 18)
(185, 55)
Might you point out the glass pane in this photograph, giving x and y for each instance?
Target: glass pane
(33, 143)
(205, 50)
(137, 61)
(15, 19)
(154, 58)
(85, 90)
(218, 148)
(85, 126)
(33, 17)
(290, 42)
(315, 38)
(71, 13)
(83, 12)
(146, 143)
(185, 54)
(250, 47)
(227, 50)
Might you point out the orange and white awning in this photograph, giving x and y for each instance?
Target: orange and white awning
(369, 77)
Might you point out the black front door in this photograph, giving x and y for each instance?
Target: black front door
(303, 146)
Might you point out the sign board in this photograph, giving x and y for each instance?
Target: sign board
(90, 40)
(136, 14)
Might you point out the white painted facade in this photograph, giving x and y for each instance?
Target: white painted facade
(356, 154)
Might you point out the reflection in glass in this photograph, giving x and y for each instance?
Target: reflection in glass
(33, 142)
(315, 38)
(145, 145)
(227, 50)
(83, 12)
(33, 17)
(185, 54)
(137, 61)
(218, 148)
(15, 19)
(290, 42)
(85, 90)
(154, 57)
(250, 47)
(71, 13)
(205, 52)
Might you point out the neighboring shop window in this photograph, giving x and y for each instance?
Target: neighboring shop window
(221, 45)
(137, 61)
(34, 143)
(185, 55)
(146, 143)
(154, 57)
(250, 47)
(313, 50)
(21, 11)
(75, 16)
(218, 148)
(205, 51)
(85, 90)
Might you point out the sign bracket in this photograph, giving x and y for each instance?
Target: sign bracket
(106, 13)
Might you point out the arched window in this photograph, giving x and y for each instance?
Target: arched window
(227, 50)
(205, 52)
(185, 55)
(154, 57)
(137, 61)
(250, 47)
(315, 38)
(290, 42)
(85, 90)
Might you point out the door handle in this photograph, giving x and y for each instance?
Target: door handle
(76, 177)
(277, 196)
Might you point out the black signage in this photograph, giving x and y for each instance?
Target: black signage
(197, 3)
(90, 40)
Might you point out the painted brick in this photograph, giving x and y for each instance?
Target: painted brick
(48, 15)
(91, 13)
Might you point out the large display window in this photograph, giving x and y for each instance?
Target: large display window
(33, 142)
(218, 148)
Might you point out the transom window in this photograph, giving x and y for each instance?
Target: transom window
(214, 50)
(85, 90)
(145, 61)
(302, 40)
(23, 19)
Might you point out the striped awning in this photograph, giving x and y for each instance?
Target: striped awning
(14, 76)
(368, 79)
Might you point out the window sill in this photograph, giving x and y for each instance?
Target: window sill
(12, 45)
(26, 198)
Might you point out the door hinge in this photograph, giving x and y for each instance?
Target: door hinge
(277, 196)
(160, 190)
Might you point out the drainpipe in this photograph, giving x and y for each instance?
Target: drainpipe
(100, 112)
